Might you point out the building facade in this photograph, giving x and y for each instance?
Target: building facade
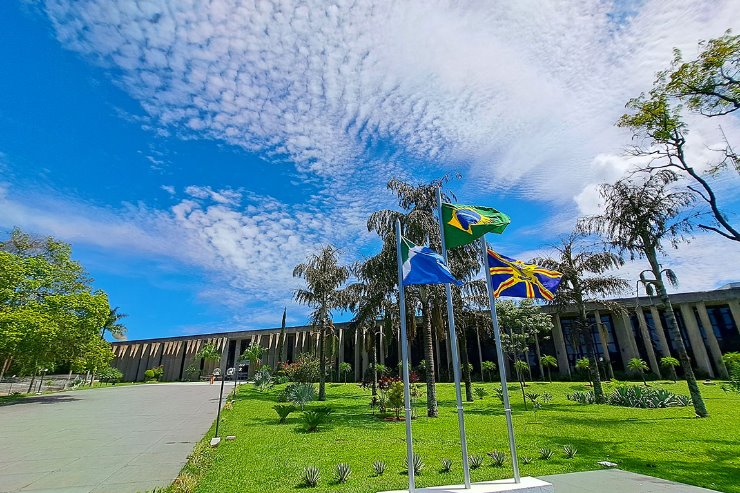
(709, 322)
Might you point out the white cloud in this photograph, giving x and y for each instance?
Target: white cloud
(524, 93)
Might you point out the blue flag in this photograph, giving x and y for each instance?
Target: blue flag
(422, 265)
(510, 277)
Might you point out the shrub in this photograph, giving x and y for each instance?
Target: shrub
(446, 466)
(311, 476)
(475, 461)
(417, 464)
(110, 375)
(343, 472)
(283, 410)
(149, 375)
(300, 394)
(499, 393)
(487, 367)
(480, 392)
(545, 453)
(379, 467)
(498, 458)
(582, 397)
(263, 379)
(645, 397)
(570, 451)
(395, 397)
(313, 419)
(192, 373)
(527, 460)
(304, 370)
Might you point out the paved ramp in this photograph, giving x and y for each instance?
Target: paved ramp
(117, 439)
(617, 481)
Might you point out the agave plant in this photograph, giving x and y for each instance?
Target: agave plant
(446, 465)
(570, 451)
(480, 392)
(476, 461)
(300, 394)
(417, 463)
(545, 453)
(498, 458)
(311, 476)
(343, 472)
(526, 459)
(379, 467)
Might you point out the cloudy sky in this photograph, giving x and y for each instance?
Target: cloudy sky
(193, 152)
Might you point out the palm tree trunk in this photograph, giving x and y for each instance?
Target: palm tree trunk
(675, 334)
(432, 410)
(374, 362)
(463, 349)
(593, 362)
(539, 355)
(322, 362)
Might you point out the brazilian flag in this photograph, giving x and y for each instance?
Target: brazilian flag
(464, 224)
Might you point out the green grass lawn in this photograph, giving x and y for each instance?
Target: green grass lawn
(267, 456)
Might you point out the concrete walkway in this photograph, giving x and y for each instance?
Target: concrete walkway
(616, 481)
(117, 439)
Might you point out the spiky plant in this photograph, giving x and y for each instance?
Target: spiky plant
(498, 458)
(570, 451)
(526, 459)
(379, 467)
(417, 464)
(311, 476)
(283, 410)
(480, 392)
(446, 465)
(546, 453)
(343, 472)
(475, 461)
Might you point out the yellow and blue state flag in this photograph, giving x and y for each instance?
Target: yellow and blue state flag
(510, 277)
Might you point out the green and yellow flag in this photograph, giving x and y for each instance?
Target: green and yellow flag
(464, 224)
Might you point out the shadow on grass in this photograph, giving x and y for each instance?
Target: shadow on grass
(42, 399)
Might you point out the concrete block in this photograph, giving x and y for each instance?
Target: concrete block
(231, 437)
(527, 485)
(215, 441)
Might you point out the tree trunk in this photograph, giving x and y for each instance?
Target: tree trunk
(463, 349)
(521, 385)
(675, 334)
(549, 375)
(539, 356)
(432, 410)
(322, 362)
(374, 362)
(593, 368)
(480, 351)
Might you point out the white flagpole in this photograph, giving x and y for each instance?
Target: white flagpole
(405, 359)
(454, 351)
(501, 361)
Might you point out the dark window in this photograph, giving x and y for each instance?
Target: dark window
(654, 337)
(724, 328)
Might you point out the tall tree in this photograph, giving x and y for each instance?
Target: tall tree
(113, 325)
(324, 278)
(585, 279)
(639, 218)
(709, 85)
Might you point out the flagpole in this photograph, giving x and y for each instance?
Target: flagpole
(454, 350)
(501, 361)
(405, 359)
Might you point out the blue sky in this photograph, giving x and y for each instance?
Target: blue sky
(193, 153)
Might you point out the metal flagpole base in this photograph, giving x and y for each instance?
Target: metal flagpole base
(526, 485)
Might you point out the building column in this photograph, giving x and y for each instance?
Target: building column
(560, 350)
(664, 346)
(714, 348)
(381, 344)
(358, 363)
(701, 359)
(648, 341)
(340, 349)
(363, 352)
(604, 338)
(625, 338)
(735, 310)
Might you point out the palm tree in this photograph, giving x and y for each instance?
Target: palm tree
(253, 354)
(324, 277)
(638, 366)
(638, 218)
(549, 361)
(585, 281)
(488, 367)
(671, 363)
(112, 325)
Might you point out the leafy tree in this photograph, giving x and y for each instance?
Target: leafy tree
(253, 354)
(585, 280)
(709, 85)
(345, 369)
(324, 277)
(281, 339)
(488, 367)
(549, 361)
(584, 365)
(209, 353)
(671, 363)
(639, 367)
(639, 218)
(521, 367)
